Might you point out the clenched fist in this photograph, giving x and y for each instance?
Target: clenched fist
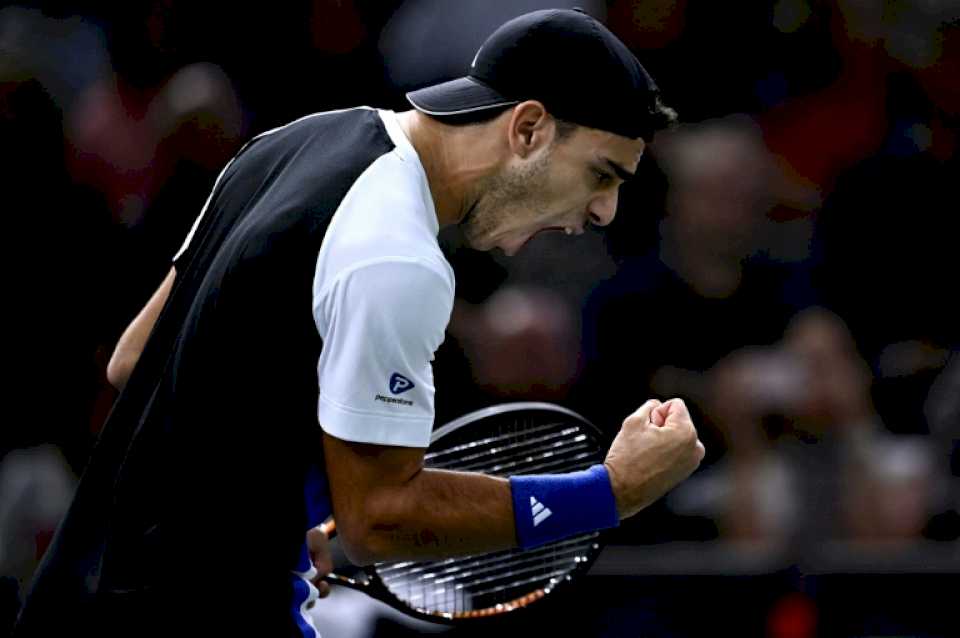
(656, 448)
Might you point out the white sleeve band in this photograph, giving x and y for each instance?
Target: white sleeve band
(381, 323)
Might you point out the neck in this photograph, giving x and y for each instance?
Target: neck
(455, 159)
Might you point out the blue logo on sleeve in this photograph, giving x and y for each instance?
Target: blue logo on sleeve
(399, 383)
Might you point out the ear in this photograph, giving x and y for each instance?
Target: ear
(530, 128)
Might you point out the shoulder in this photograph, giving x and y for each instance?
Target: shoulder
(318, 143)
(384, 219)
(397, 282)
(391, 303)
(343, 121)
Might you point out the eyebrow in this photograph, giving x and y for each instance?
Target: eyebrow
(621, 172)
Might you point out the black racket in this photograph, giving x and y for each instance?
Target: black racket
(503, 440)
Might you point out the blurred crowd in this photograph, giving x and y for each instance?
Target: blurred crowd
(784, 262)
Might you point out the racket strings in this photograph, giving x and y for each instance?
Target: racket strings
(473, 578)
(503, 445)
(540, 464)
(472, 564)
(477, 584)
(558, 451)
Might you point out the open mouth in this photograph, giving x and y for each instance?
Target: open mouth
(548, 229)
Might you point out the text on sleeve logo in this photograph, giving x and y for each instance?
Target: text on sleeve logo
(539, 511)
(399, 383)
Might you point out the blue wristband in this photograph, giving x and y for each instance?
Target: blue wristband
(548, 507)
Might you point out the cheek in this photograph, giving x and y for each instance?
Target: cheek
(567, 188)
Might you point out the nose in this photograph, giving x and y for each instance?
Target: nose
(603, 208)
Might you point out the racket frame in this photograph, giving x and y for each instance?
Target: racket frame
(371, 584)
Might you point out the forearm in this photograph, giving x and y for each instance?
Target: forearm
(435, 514)
(389, 507)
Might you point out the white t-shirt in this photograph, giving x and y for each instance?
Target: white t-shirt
(382, 297)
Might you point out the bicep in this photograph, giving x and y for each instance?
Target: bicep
(381, 325)
(360, 476)
(357, 470)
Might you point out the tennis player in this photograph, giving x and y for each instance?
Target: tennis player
(311, 290)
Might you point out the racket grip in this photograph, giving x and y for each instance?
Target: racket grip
(352, 583)
(329, 527)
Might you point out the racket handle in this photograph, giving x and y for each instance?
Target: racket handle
(329, 527)
(346, 581)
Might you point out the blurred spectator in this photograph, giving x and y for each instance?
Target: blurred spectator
(521, 344)
(723, 275)
(818, 134)
(648, 25)
(113, 128)
(515, 329)
(58, 255)
(942, 410)
(808, 457)
(878, 144)
(458, 34)
(36, 487)
(195, 117)
(884, 236)
(835, 191)
(95, 152)
(942, 405)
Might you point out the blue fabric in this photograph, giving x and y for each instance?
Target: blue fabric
(301, 591)
(549, 507)
(318, 508)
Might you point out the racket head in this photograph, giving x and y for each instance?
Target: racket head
(503, 440)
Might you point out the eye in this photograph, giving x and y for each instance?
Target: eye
(603, 177)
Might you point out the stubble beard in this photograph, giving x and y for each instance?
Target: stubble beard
(511, 193)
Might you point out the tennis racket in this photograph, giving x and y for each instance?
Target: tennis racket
(503, 440)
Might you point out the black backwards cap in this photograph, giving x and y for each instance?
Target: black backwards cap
(564, 58)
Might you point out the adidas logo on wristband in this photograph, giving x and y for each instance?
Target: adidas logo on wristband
(539, 511)
(589, 505)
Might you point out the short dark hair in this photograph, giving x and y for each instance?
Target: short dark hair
(565, 129)
(661, 116)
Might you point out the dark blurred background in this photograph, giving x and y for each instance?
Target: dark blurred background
(786, 263)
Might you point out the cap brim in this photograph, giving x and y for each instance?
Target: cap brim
(463, 95)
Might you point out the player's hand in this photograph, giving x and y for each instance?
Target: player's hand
(319, 547)
(656, 448)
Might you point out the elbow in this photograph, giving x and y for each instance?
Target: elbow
(358, 544)
(372, 533)
(364, 543)
(357, 549)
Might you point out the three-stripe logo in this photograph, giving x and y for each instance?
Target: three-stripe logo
(539, 511)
